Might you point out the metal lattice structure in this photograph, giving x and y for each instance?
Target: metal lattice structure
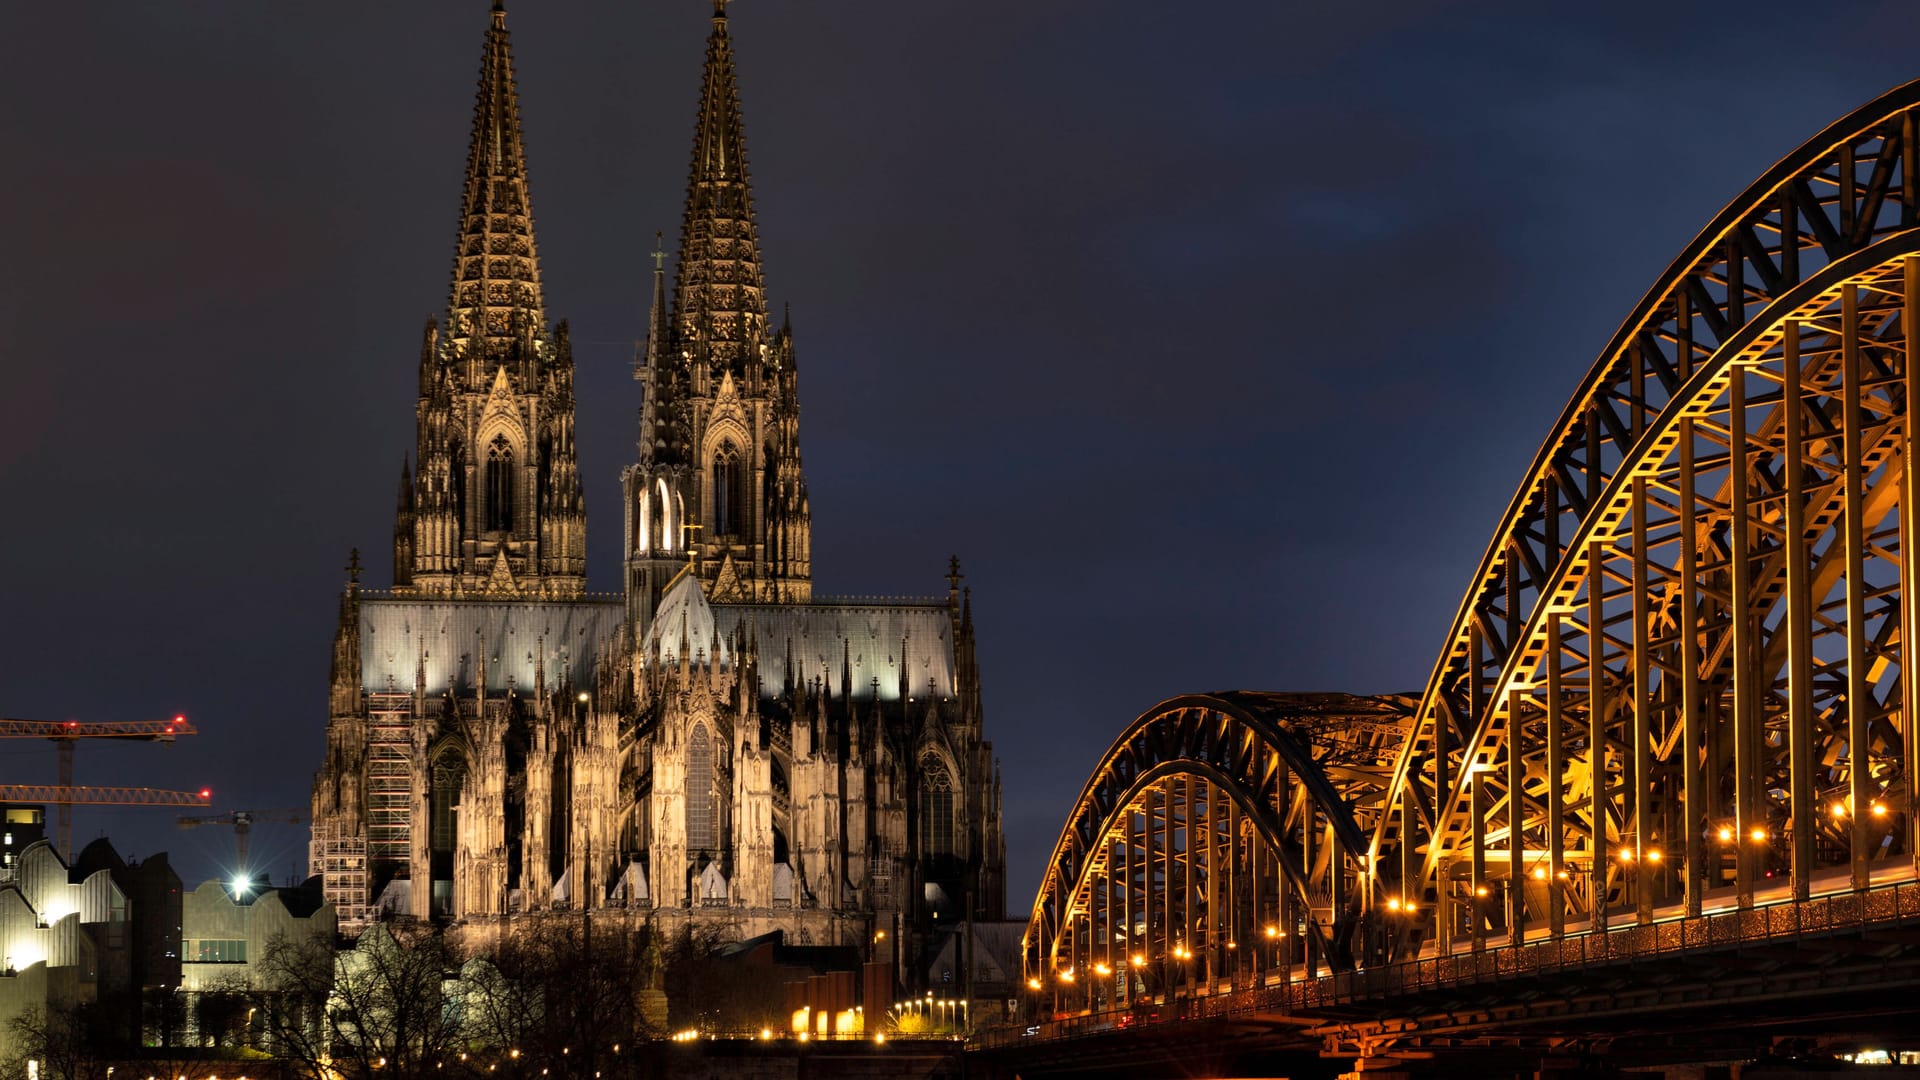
(1677, 680)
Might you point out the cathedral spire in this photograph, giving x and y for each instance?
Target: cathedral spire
(496, 271)
(720, 306)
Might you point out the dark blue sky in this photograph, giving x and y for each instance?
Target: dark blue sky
(1213, 338)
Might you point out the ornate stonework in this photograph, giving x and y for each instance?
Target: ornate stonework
(716, 748)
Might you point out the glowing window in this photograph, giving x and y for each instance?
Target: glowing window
(701, 827)
(936, 808)
(499, 485)
(726, 492)
(215, 951)
(449, 776)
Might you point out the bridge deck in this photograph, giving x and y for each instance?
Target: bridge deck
(1307, 1003)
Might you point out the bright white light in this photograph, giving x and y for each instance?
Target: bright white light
(241, 884)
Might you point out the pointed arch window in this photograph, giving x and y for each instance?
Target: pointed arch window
(702, 829)
(449, 778)
(936, 808)
(727, 489)
(500, 485)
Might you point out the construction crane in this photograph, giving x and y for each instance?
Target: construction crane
(65, 733)
(67, 795)
(243, 822)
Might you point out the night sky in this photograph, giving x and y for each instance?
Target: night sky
(1212, 337)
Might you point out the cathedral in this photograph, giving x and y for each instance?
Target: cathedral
(714, 748)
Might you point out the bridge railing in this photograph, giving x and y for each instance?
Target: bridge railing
(1838, 912)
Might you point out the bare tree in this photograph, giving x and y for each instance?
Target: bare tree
(61, 1038)
(376, 1009)
(566, 995)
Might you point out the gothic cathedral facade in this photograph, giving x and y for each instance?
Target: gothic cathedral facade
(715, 748)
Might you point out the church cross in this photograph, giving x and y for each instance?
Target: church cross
(659, 252)
(686, 541)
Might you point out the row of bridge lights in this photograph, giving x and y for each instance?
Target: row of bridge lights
(1139, 960)
(1759, 834)
(1399, 905)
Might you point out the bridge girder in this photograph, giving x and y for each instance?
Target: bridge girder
(1677, 677)
(1253, 807)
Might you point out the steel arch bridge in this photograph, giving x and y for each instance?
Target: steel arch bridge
(1677, 682)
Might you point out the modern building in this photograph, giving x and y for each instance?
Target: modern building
(153, 894)
(229, 926)
(714, 748)
(62, 942)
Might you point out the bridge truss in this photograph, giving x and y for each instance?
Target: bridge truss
(1678, 680)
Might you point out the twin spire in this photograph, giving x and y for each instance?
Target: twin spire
(719, 296)
(496, 270)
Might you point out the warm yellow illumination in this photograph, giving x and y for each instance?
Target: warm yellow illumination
(879, 1036)
(1879, 809)
(1759, 834)
(879, 935)
(1139, 961)
(1726, 834)
(1480, 890)
(1839, 809)
(1066, 976)
(766, 1033)
(1393, 904)
(1033, 983)
(1654, 855)
(1539, 873)
(1102, 969)
(1626, 854)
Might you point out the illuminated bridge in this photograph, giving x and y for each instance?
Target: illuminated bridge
(1656, 801)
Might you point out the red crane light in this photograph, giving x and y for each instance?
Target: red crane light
(206, 793)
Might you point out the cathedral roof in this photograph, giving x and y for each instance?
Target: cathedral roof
(496, 271)
(720, 306)
(849, 646)
(448, 639)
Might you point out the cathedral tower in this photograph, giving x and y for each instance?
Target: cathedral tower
(494, 506)
(718, 477)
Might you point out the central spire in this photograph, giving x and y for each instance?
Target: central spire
(719, 301)
(496, 272)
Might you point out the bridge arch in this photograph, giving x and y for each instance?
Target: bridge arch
(1217, 838)
(1678, 678)
(1701, 571)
